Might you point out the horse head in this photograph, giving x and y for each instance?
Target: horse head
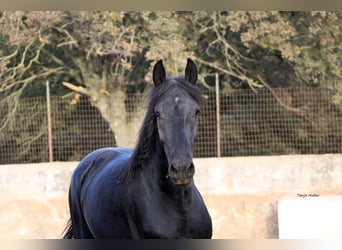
(176, 115)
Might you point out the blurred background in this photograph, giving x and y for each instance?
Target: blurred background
(71, 82)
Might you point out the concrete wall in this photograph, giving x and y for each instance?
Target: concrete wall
(241, 193)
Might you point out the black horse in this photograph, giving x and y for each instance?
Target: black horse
(148, 192)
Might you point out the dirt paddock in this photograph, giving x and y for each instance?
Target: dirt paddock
(33, 218)
(241, 193)
(46, 219)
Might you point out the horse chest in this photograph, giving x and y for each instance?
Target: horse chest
(173, 220)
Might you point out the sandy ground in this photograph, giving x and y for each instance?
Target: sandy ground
(233, 217)
(25, 216)
(32, 218)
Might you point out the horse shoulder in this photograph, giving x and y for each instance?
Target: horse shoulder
(105, 196)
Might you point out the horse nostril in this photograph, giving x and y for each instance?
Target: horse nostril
(173, 168)
(190, 169)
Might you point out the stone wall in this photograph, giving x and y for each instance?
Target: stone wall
(241, 193)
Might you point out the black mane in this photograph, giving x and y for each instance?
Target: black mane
(148, 134)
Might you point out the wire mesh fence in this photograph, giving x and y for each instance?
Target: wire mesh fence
(77, 129)
(241, 123)
(288, 121)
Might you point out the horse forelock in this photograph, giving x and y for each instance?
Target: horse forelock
(148, 133)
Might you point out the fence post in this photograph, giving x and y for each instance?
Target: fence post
(49, 121)
(218, 124)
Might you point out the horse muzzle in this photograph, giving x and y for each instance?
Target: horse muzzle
(181, 175)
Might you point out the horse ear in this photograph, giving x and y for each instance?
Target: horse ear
(159, 74)
(191, 72)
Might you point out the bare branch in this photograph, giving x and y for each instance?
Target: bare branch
(70, 43)
(78, 89)
(31, 78)
(62, 30)
(252, 84)
(295, 110)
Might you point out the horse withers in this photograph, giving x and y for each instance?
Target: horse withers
(148, 192)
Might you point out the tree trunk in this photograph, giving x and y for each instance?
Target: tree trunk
(124, 124)
(110, 99)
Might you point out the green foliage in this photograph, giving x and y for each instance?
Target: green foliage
(106, 52)
(283, 48)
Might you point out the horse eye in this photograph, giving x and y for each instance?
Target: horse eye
(198, 112)
(156, 114)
